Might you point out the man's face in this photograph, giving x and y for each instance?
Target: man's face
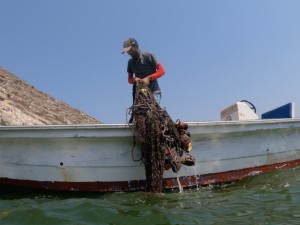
(133, 51)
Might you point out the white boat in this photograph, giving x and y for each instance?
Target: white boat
(99, 158)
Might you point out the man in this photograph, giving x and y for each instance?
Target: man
(143, 66)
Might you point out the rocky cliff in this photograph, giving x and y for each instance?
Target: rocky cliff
(23, 104)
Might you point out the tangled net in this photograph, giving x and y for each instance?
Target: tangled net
(162, 141)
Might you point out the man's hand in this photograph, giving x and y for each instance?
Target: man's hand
(147, 80)
(136, 79)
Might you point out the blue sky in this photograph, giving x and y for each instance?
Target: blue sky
(215, 52)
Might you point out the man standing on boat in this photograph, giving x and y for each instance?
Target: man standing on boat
(143, 66)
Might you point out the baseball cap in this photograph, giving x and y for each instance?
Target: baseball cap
(128, 44)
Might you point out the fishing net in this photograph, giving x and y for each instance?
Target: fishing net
(162, 142)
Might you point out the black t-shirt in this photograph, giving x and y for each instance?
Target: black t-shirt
(144, 66)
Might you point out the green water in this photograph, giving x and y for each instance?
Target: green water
(272, 198)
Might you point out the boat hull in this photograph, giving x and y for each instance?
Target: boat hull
(139, 185)
(99, 158)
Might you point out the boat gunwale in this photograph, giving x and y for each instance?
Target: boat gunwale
(124, 125)
(125, 131)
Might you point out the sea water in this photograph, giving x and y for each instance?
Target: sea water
(272, 198)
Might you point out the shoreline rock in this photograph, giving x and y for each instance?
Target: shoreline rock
(23, 104)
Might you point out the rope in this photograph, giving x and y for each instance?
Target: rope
(162, 141)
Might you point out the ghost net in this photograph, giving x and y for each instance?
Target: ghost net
(162, 142)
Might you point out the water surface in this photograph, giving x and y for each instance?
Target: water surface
(272, 198)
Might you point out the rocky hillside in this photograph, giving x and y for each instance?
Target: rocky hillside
(23, 104)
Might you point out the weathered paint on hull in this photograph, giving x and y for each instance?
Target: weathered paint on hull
(138, 185)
